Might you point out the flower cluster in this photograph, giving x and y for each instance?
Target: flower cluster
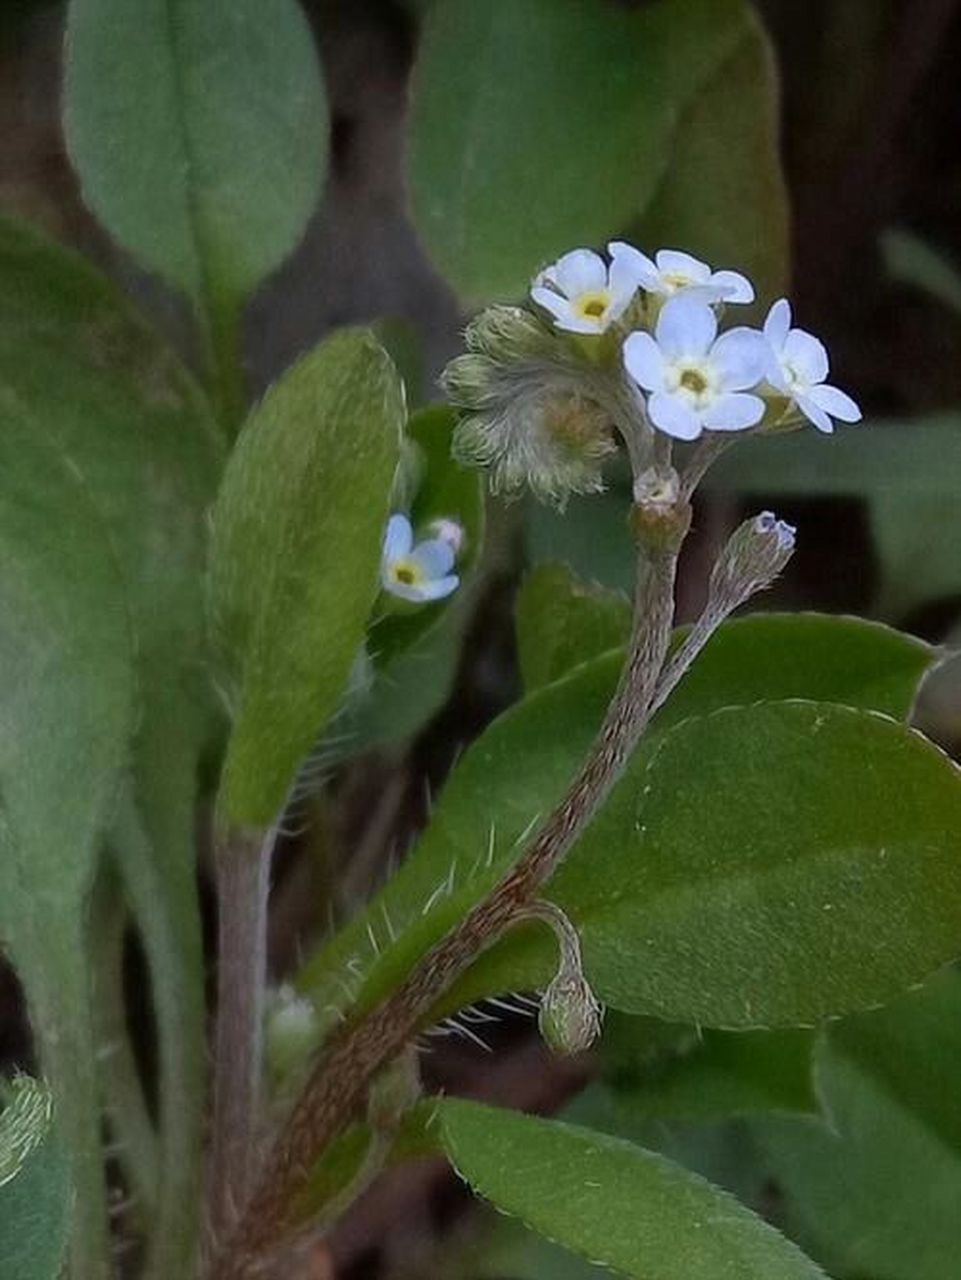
(543, 390)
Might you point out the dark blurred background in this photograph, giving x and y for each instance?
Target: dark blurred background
(871, 128)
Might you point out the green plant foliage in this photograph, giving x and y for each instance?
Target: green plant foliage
(910, 476)
(591, 536)
(875, 1188)
(83, 373)
(612, 1202)
(489, 802)
(34, 1185)
(723, 195)
(298, 530)
(911, 260)
(540, 125)
(562, 622)
(199, 132)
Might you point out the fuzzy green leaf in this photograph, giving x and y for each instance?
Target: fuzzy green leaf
(489, 803)
(540, 125)
(34, 1186)
(298, 530)
(199, 132)
(613, 1202)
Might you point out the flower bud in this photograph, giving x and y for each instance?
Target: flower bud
(755, 554)
(292, 1032)
(393, 1092)
(570, 1014)
(449, 531)
(506, 334)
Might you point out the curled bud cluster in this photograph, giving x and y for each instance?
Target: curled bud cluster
(525, 416)
(543, 390)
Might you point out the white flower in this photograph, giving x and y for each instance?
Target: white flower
(582, 293)
(673, 272)
(695, 379)
(798, 365)
(418, 573)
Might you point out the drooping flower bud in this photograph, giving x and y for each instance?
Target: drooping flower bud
(570, 1014)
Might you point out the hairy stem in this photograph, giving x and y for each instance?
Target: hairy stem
(243, 878)
(340, 1079)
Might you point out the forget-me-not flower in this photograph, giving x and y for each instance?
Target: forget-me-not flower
(673, 272)
(419, 573)
(798, 365)
(583, 293)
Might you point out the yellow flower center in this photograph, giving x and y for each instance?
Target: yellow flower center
(676, 280)
(593, 305)
(407, 573)
(693, 380)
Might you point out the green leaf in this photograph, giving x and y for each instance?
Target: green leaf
(199, 132)
(736, 870)
(66, 718)
(723, 195)
(298, 530)
(562, 622)
(79, 369)
(488, 803)
(591, 537)
(34, 1186)
(612, 1202)
(920, 558)
(876, 1188)
(539, 125)
(910, 260)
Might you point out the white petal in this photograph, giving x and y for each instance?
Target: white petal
(643, 361)
(814, 413)
(580, 271)
(434, 558)
(686, 326)
(734, 286)
(675, 263)
(625, 259)
(778, 323)
(551, 301)
(582, 324)
(399, 537)
(806, 354)
(835, 402)
(735, 411)
(741, 358)
(625, 277)
(437, 588)
(673, 416)
(404, 590)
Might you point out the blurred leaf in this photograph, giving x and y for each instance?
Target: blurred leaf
(489, 803)
(612, 1202)
(723, 194)
(34, 1186)
(590, 537)
(199, 132)
(441, 489)
(910, 260)
(562, 621)
(540, 125)
(919, 457)
(910, 472)
(78, 368)
(875, 1190)
(298, 531)
(66, 718)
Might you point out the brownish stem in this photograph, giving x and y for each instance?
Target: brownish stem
(340, 1079)
(243, 876)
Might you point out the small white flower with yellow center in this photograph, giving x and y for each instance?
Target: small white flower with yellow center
(696, 380)
(582, 293)
(419, 573)
(798, 365)
(673, 272)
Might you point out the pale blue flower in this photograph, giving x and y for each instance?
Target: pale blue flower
(583, 293)
(673, 272)
(798, 365)
(694, 379)
(419, 573)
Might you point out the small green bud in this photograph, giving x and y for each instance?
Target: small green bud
(292, 1032)
(570, 1014)
(506, 334)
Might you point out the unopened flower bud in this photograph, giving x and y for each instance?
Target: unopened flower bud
(449, 531)
(506, 334)
(393, 1092)
(755, 554)
(570, 1014)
